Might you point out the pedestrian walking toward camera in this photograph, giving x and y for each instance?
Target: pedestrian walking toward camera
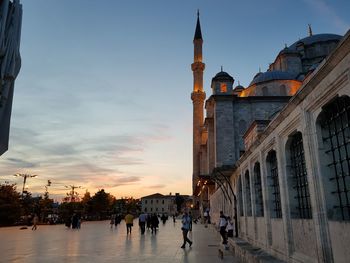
(142, 222)
(222, 225)
(35, 222)
(229, 227)
(148, 221)
(185, 228)
(129, 221)
(118, 219)
(163, 219)
(112, 222)
(154, 223)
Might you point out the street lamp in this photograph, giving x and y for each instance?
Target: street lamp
(25, 176)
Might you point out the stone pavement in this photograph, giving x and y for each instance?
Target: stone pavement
(96, 242)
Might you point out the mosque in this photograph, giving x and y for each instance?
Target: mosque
(275, 155)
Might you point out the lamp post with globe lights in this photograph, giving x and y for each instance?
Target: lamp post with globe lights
(25, 176)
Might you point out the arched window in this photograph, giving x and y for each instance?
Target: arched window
(274, 187)
(248, 195)
(259, 204)
(333, 129)
(300, 203)
(283, 90)
(240, 197)
(265, 91)
(223, 87)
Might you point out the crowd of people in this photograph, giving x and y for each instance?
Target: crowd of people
(151, 222)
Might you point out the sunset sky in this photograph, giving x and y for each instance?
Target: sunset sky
(103, 96)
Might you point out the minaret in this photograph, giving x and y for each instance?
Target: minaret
(198, 97)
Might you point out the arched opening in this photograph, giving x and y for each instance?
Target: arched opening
(265, 91)
(282, 90)
(298, 187)
(240, 197)
(248, 196)
(273, 184)
(333, 133)
(259, 204)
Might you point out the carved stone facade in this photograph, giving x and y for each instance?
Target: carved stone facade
(275, 156)
(293, 182)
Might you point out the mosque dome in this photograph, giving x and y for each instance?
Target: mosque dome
(315, 39)
(272, 75)
(223, 76)
(238, 88)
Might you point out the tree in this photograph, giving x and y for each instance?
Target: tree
(86, 203)
(45, 204)
(10, 205)
(101, 204)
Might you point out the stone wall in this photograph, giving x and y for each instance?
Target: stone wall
(321, 238)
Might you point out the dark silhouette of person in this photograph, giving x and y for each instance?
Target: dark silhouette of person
(154, 223)
(142, 222)
(222, 225)
(185, 228)
(163, 218)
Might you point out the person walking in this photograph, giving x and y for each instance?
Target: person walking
(129, 221)
(112, 222)
(35, 222)
(222, 225)
(185, 228)
(229, 227)
(142, 222)
(154, 223)
(148, 221)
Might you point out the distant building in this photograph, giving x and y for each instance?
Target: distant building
(159, 204)
(10, 63)
(275, 155)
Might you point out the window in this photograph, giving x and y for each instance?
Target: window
(145, 209)
(333, 126)
(259, 205)
(240, 197)
(265, 91)
(283, 90)
(157, 201)
(145, 201)
(248, 194)
(152, 201)
(151, 209)
(163, 209)
(223, 87)
(163, 202)
(156, 209)
(274, 187)
(299, 184)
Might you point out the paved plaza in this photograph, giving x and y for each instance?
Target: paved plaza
(96, 242)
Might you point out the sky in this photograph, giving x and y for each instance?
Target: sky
(102, 100)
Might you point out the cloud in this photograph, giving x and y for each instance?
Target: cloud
(120, 181)
(156, 186)
(15, 162)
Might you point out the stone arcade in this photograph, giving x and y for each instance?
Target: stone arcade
(275, 155)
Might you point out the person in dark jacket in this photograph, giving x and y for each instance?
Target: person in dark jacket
(154, 223)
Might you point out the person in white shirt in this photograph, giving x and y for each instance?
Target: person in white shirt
(229, 227)
(222, 225)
